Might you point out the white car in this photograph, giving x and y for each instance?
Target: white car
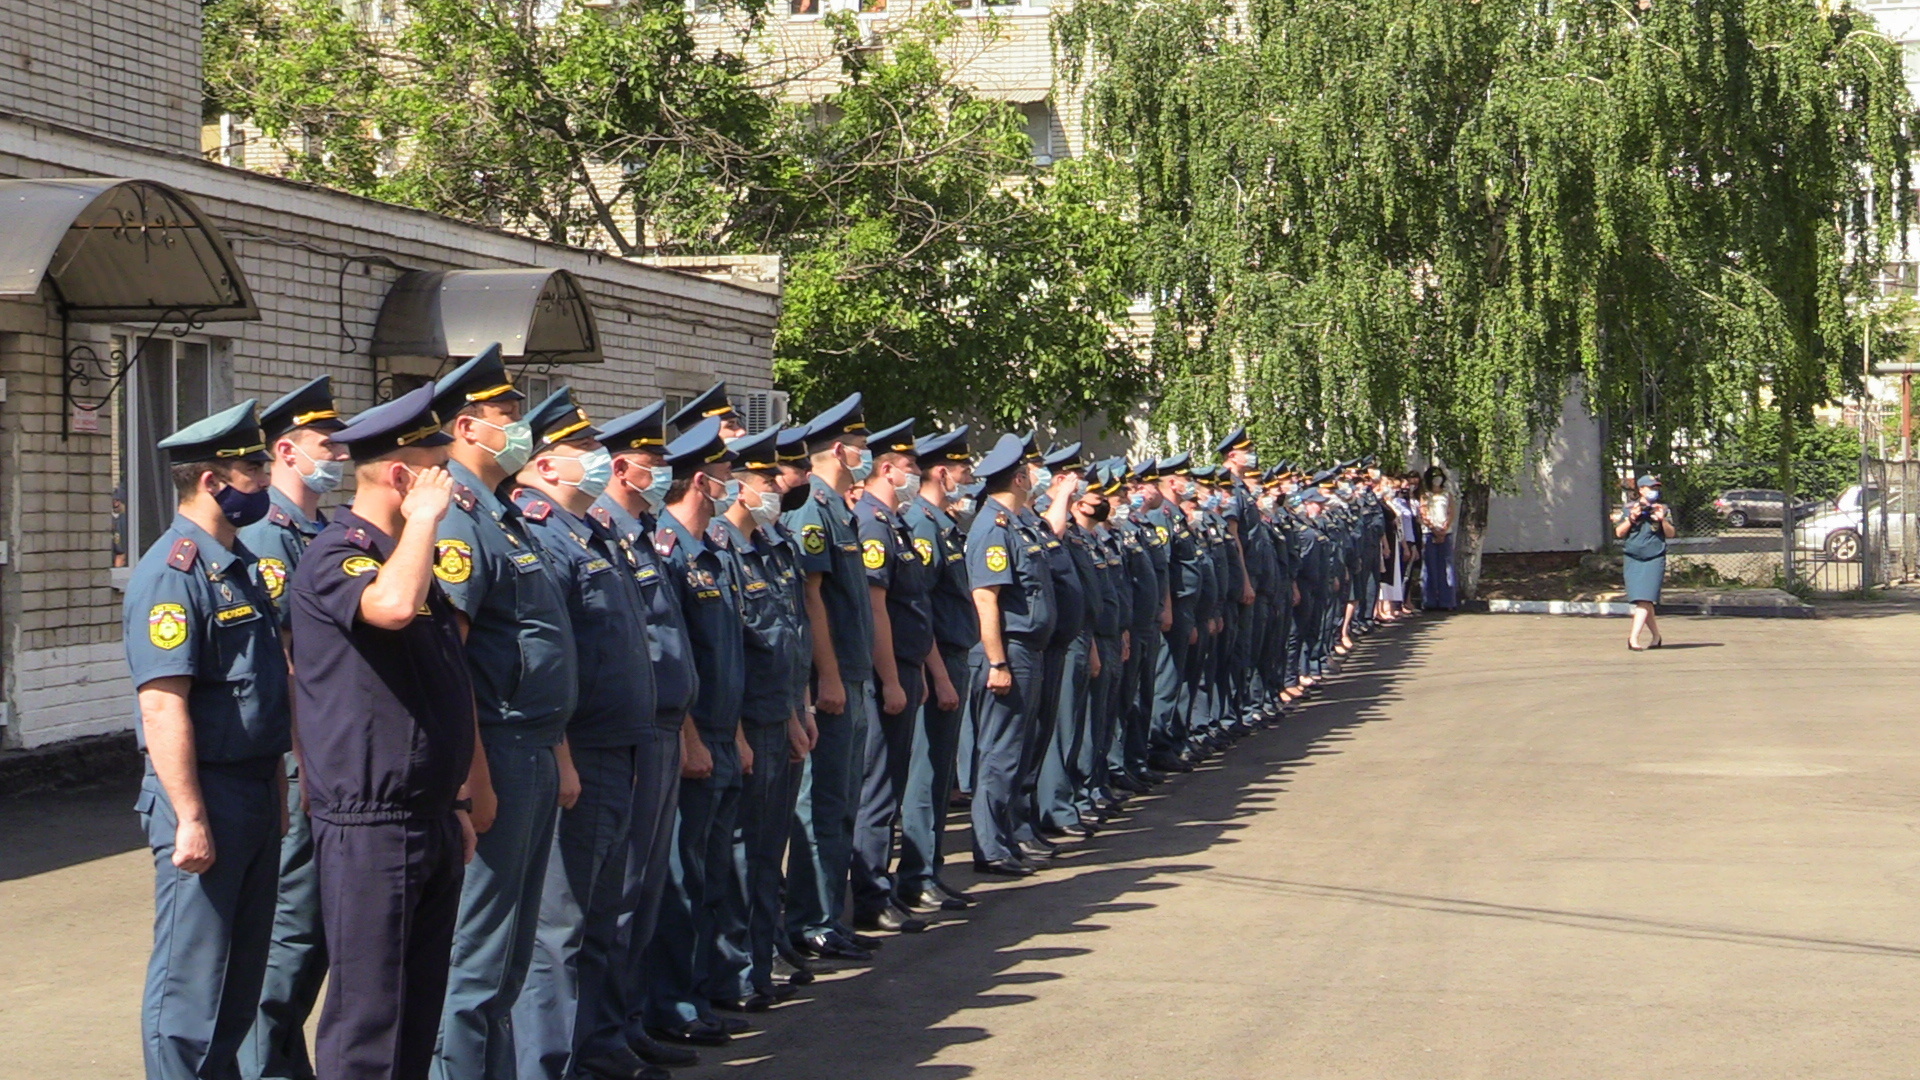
(1837, 531)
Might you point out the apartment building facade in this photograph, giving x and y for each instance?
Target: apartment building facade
(142, 284)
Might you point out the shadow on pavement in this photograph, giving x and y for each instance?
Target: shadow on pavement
(886, 1021)
(51, 830)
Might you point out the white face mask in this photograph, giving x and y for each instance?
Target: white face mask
(764, 506)
(907, 487)
(326, 475)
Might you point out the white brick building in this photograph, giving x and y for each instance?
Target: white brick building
(111, 89)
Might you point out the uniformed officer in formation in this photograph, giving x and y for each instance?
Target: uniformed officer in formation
(306, 466)
(604, 741)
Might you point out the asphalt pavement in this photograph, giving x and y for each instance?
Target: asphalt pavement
(1499, 846)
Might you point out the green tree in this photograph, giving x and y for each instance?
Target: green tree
(929, 262)
(1409, 225)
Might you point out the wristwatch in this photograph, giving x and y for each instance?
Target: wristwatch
(1001, 666)
(463, 804)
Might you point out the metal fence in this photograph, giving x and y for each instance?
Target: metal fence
(1848, 526)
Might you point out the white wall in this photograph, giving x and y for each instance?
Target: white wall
(1558, 505)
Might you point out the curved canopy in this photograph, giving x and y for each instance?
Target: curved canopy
(117, 251)
(538, 314)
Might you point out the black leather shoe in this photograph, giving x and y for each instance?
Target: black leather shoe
(834, 947)
(889, 919)
(950, 896)
(654, 1052)
(1002, 867)
(762, 1000)
(728, 1004)
(1166, 762)
(861, 941)
(693, 1033)
(619, 1064)
(1150, 777)
(919, 901)
(791, 968)
(734, 1025)
(1128, 784)
(1037, 850)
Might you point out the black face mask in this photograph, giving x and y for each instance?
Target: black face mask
(1100, 511)
(243, 508)
(794, 498)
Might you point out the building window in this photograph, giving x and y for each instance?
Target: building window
(174, 382)
(536, 385)
(1039, 117)
(804, 9)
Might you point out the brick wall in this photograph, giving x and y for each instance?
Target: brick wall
(662, 333)
(129, 69)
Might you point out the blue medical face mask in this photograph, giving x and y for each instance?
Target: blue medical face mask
(1137, 501)
(326, 475)
(864, 469)
(1252, 458)
(596, 469)
(725, 502)
(1042, 478)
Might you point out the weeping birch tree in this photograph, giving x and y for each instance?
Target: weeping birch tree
(1412, 226)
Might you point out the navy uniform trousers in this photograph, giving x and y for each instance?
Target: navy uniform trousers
(683, 957)
(751, 918)
(276, 1048)
(1102, 726)
(617, 1013)
(389, 897)
(1172, 696)
(499, 908)
(999, 808)
(579, 913)
(889, 752)
(821, 854)
(930, 779)
(210, 930)
(1040, 727)
(1133, 713)
(1060, 773)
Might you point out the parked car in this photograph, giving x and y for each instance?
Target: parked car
(1837, 531)
(1742, 507)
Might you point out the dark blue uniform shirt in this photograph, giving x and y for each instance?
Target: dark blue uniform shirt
(772, 635)
(595, 570)
(386, 716)
(940, 541)
(892, 562)
(675, 680)
(702, 571)
(1002, 551)
(830, 545)
(520, 643)
(197, 609)
(277, 542)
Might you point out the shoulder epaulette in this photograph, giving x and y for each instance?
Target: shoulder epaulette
(820, 497)
(183, 553)
(663, 541)
(358, 537)
(601, 515)
(1000, 519)
(880, 516)
(463, 497)
(279, 516)
(538, 510)
(718, 534)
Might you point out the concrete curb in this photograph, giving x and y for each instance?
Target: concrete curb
(1615, 608)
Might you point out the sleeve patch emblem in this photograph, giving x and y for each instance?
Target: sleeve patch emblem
(873, 554)
(813, 538)
(452, 561)
(996, 558)
(357, 565)
(925, 547)
(273, 574)
(167, 626)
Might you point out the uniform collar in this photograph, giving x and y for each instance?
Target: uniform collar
(872, 505)
(215, 556)
(466, 478)
(741, 542)
(382, 543)
(624, 523)
(687, 538)
(925, 505)
(300, 521)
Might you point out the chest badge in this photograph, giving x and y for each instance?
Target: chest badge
(167, 626)
(453, 561)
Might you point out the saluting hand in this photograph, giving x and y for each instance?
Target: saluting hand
(428, 495)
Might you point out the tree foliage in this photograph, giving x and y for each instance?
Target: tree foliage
(929, 262)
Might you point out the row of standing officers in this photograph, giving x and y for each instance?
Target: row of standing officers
(563, 745)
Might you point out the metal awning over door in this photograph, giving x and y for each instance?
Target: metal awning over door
(537, 315)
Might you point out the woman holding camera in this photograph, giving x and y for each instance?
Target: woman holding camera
(1645, 525)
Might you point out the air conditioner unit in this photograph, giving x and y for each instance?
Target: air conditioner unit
(762, 409)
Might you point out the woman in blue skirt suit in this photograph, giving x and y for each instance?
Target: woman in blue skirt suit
(1645, 526)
